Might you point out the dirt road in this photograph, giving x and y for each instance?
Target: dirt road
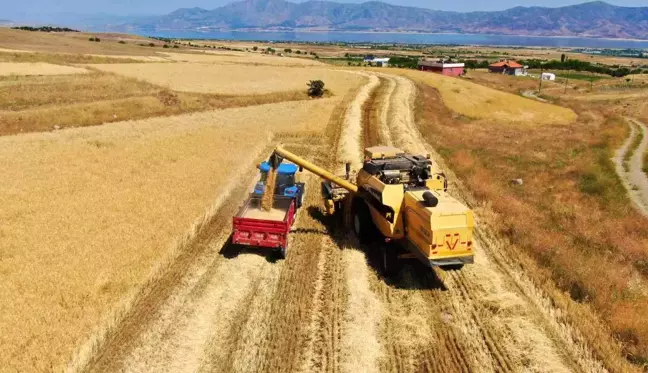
(634, 179)
(326, 308)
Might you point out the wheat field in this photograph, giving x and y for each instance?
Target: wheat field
(98, 207)
(233, 79)
(237, 57)
(37, 68)
(477, 101)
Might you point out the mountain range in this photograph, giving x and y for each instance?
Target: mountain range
(593, 19)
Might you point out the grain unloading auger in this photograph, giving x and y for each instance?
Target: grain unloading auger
(397, 196)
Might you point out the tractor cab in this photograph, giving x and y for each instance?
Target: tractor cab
(285, 182)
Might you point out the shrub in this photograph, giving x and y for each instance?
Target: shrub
(176, 47)
(122, 42)
(165, 46)
(151, 45)
(97, 40)
(255, 48)
(91, 39)
(315, 88)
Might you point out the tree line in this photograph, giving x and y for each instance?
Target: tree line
(45, 29)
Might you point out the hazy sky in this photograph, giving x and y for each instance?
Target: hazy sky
(18, 9)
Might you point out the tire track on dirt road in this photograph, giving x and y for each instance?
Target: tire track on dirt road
(634, 179)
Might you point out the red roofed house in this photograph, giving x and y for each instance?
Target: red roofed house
(507, 67)
(441, 67)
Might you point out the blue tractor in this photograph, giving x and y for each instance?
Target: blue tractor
(285, 183)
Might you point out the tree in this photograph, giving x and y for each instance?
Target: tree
(298, 52)
(288, 50)
(563, 58)
(315, 88)
(255, 48)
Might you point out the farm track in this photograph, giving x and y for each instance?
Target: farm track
(634, 179)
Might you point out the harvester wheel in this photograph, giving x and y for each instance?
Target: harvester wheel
(389, 260)
(363, 226)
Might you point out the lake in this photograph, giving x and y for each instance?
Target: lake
(405, 38)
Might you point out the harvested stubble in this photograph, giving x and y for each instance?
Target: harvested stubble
(234, 79)
(88, 212)
(349, 147)
(476, 101)
(37, 68)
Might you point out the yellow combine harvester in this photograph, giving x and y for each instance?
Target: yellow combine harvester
(398, 196)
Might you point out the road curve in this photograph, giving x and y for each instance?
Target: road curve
(634, 180)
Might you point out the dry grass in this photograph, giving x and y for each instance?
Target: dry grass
(34, 104)
(93, 236)
(233, 79)
(37, 68)
(234, 57)
(476, 101)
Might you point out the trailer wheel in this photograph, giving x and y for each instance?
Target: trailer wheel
(363, 226)
(283, 252)
(300, 200)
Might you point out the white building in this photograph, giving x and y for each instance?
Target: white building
(379, 62)
(548, 76)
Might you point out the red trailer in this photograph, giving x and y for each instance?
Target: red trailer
(253, 226)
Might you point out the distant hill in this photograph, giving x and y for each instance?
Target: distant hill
(593, 19)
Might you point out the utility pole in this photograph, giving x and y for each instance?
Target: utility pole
(566, 80)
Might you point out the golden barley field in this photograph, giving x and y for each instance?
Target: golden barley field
(240, 79)
(237, 57)
(477, 101)
(88, 212)
(38, 68)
